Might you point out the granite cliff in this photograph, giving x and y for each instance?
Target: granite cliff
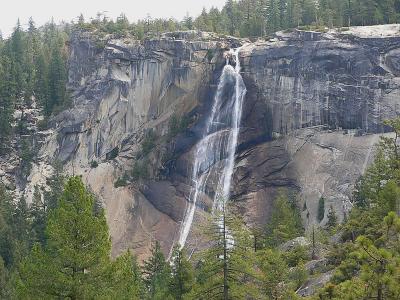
(313, 111)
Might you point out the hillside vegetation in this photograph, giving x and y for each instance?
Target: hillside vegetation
(59, 247)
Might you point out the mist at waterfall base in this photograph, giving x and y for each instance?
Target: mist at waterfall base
(218, 146)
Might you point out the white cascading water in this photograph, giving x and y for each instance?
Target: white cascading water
(218, 144)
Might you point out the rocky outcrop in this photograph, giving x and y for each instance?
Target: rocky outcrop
(120, 93)
(312, 114)
(321, 99)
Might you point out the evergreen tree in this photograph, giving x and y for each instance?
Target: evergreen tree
(7, 99)
(285, 222)
(56, 184)
(226, 269)
(332, 218)
(38, 212)
(182, 275)
(7, 236)
(57, 77)
(17, 50)
(3, 280)
(274, 275)
(321, 209)
(377, 267)
(125, 280)
(76, 255)
(156, 272)
(42, 82)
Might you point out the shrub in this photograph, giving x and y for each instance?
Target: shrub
(112, 154)
(148, 143)
(210, 54)
(121, 181)
(298, 275)
(296, 255)
(332, 218)
(321, 209)
(94, 164)
(177, 125)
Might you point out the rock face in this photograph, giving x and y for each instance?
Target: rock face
(339, 81)
(321, 98)
(120, 93)
(312, 114)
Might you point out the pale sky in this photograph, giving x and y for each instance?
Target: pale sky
(43, 10)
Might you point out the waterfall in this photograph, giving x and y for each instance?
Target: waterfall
(218, 146)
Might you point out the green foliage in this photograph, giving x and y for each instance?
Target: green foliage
(26, 154)
(56, 184)
(182, 280)
(370, 271)
(285, 222)
(321, 209)
(148, 143)
(226, 269)
(368, 263)
(332, 218)
(8, 243)
(32, 64)
(113, 153)
(38, 214)
(121, 181)
(94, 164)
(247, 18)
(3, 280)
(296, 255)
(76, 252)
(121, 27)
(157, 274)
(298, 275)
(125, 281)
(74, 262)
(274, 274)
(177, 125)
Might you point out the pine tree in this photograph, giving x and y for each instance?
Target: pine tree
(226, 269)
(332, 218)
(38, 213)
(273, 19)
(182, 275)
(285, 222)
(125, 280)
(42, 82)
(57, 77)
(32, 49)
(321, 209)
(18, 61)
(156, 272)
(274, 275)
(3, 276)
(379, 266)
(7, 99)
(230, 11)
(76, 255)
(56, 184)
(7, 237)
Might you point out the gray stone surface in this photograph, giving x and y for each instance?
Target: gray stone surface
(311, 117)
